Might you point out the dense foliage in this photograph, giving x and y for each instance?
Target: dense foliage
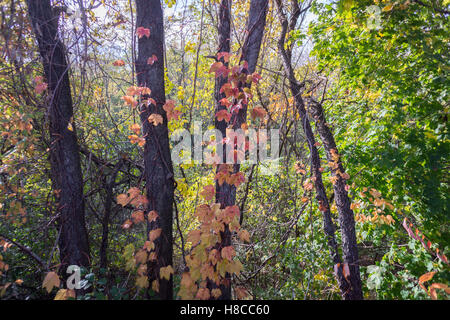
(378, 70)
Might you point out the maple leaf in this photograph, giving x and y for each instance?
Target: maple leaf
(40, 85)
(118, 63)
(127, 224)
(141, 31)
(135, 128)
(122, 199)
(155, 285)
(222, 267)
(216, 293)
(172, 113)
(237, 178)
(241, 293)
(135, 139)
(230, 213)
(165, 272)
(133, 91)
(146, 91)
(228, 253)
(149, 245)
(223, 115)
(258, 112)
(142, 282)
(64, 294)
(203, 294)
(141, 256)
(208, 192)
(51, 280)
(194, 237)
(142, 269)
(129, 100)
(255, 77)
(225, 55)
(155, 119)
(234, 267)
(204, 213)
(215, 66)
(152, 60)
(138, 216)
(154, 234)
(152, 216)
(225, 102)
(244, 235)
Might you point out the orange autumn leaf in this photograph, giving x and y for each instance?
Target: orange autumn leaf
(135, 128)
(129, 100)
(138, 216)
(154, 234)
(155, 119)
(118, 63)
(427, 276)
(194, 237)
(152, 216)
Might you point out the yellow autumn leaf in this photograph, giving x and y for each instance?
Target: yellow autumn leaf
(64, 294)
(388, 7)
(165, 272)
(51, 280)
(142, 282)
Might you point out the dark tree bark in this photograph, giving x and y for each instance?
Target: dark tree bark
(250, 49)
(349, 289)
(225, 193)
(346, 216)
(107, 214)
(66, 173)
(158, 165)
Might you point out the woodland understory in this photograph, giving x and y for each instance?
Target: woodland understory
(95, 203)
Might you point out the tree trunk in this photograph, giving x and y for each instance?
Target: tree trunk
(321, 196)
(158, 165)
(346, 217)
(225, 193)
(66, 173)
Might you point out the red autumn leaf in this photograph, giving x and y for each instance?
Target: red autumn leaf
(225, 55)
(223, 115)
(152, 60)
(258, 112)
(141, 31)
(208, 192)
(228, 253)
(225, 102)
